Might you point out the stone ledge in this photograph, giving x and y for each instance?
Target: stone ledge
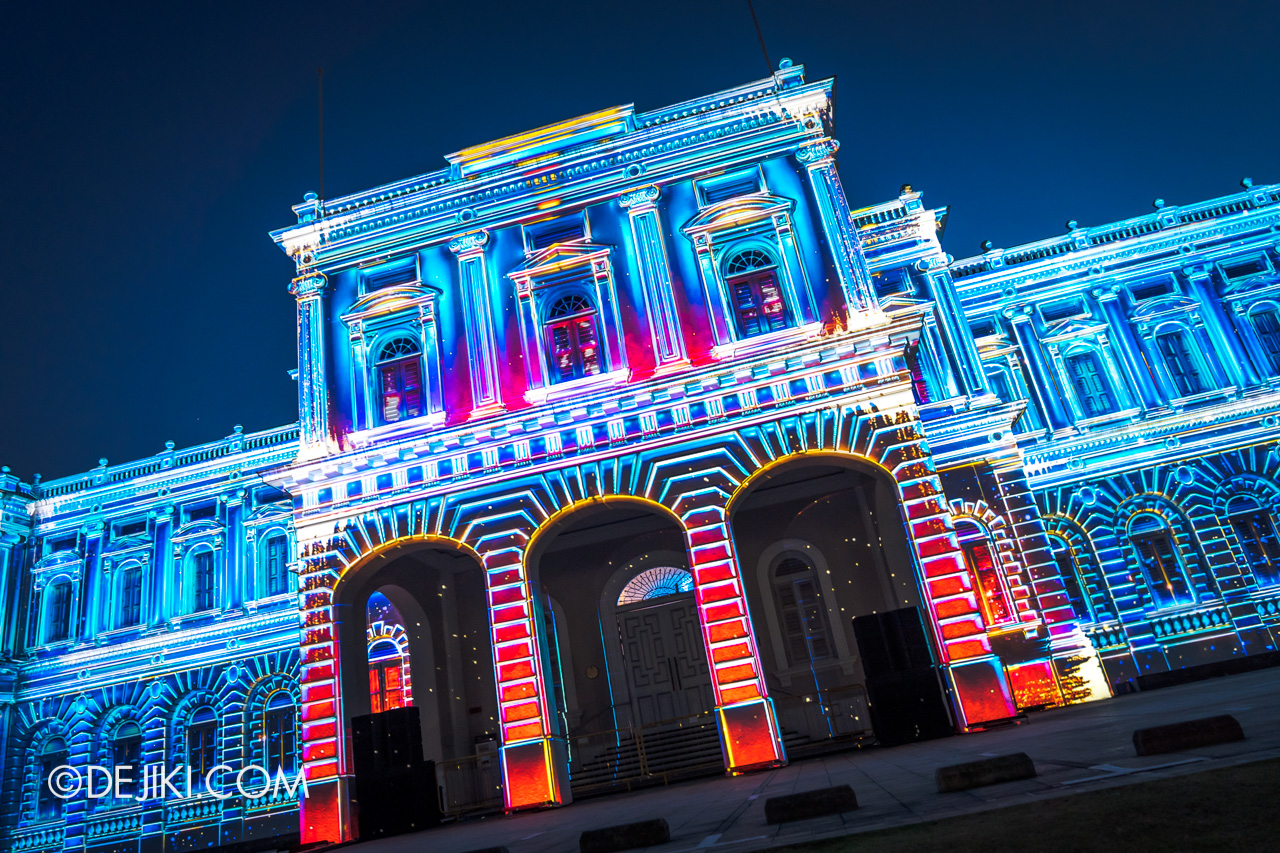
(1189, 734)
(807, 804)
(988, 771)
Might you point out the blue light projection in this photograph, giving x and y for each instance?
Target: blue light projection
(607, 432)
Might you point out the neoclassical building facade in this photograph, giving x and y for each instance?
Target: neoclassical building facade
(617, 441)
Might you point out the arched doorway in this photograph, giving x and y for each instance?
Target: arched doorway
(413, 630)
(629, 664)
(822, 542)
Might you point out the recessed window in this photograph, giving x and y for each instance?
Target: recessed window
(1256, 530)
(1090, 383)
(988, 575)
(130, 601)
(801, 612)
(573, 338)
(386, 676)
(1153, 541)
(1176, 352)
(202, 580)
(400, 378)
(1266, 324)
(126, 751)
(202, 742)
(52, 756)
(59, 615)
(275, 554)
(758, 303)
(658, 582)
(278, 733)
(1069, 571)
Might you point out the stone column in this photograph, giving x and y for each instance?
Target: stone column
(1044, 385)
(837, 223)
(233, 564)
(160, 582)
(313, 386)
(954, 329)
(1231, 353)
(655, 276)
(473, 281)
(1126, 347)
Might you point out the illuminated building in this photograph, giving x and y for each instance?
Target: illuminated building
(620, 423)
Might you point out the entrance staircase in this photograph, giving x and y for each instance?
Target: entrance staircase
(650, 755)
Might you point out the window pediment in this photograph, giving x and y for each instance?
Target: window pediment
(391, 301)
(60, 560)
(204, 527)
(738, 212)
(128, 543)
(558, 258)
(1073, 328)
(1164, 306)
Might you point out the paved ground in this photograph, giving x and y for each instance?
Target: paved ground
(1081, 748)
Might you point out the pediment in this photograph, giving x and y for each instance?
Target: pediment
(1254, 284)
(1073, 327)
(202, 527)
(390, 300)
(60, 559)
(127, 543)
(898, 302)
(734, 212)
(1164, 305)
(560, 256)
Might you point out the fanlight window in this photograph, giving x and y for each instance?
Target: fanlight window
(1256, 530)
(1158, 556)
(755, 294)
(573, 338)
(801, 611)
(278, 733)
(656, 583)
(400, 379)
(748, 261)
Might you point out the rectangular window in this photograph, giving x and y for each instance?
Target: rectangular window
(130, 598)
(277, 566)
(1257, 535)
(60, 613)
(201, 748)
(279, 735)
(202, 581)
(995, 601)
(1267, 325)
(1177, 356)
(1160, 563)
(1091, 387)
(758, 304)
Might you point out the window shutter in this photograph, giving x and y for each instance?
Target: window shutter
(773, 306)
(745, 304)
(562, 351)
(588, 346)
(390, 394)
(411, 370)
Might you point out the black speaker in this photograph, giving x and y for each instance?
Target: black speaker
(904, 691)
(395, 788)
(387, 740)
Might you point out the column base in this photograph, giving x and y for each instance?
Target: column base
(325, 812)
(535, 774)
(749, 736)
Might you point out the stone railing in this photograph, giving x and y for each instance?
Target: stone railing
(113, 824)
(37, 839)
(275, 799)
(202, 810)
(1190, 623)
(1106, 636)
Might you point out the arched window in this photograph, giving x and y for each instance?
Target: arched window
(1153, 541)
(201, 574)
(52, 756)
(754, 292)
(126, 751)
(1093, 391)
(1183, 369)
(386, 676)
(276, 564)
(801, 612)
(1256, 530)
(400, 378)
(657, 582)
(202, 742)
(278, 733)
(58, 616)
(130, 597)
(1266, 323)
(1069, 570)
(573, 340)
(981, 558)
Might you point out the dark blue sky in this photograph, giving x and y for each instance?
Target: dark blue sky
(145, 153)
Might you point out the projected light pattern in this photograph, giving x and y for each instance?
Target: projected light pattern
(1065, 454)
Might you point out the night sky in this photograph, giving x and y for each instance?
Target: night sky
(146, 152)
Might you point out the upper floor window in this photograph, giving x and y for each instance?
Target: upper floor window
(202, 742)
(130, 600)
(126, 751)
(801, 612)
(275, 555)
(386, 676)
(980, 557)
(202, 580)
(1176, 352)
(755, 294)
(1256, 530)
(58, 624)
(52, 756)
(1090, 383)
(400, 379)
(1267, 324)
(1069, 571)
(573, 338)
(1152, 539)
(278, 733)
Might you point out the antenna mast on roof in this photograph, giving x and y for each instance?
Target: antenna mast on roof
(768, 64)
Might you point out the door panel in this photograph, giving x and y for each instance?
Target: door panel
(665, 662)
